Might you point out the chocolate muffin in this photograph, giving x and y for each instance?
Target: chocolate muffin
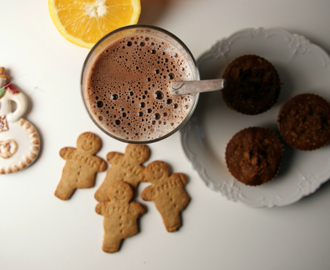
(253, 155)
(304, 122)
(252, 85)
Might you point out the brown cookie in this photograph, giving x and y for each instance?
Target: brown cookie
(167, 192)
(124, 167)
(120, 215)
(81, 165)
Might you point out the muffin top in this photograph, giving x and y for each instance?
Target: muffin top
(252, 84)
(254, 155)
(304, 122)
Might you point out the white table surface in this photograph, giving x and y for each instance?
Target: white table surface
(39, 231)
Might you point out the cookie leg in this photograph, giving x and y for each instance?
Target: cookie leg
(172, 222)
(111, 244)
(64, 190)
(101, 194)
(132, 231)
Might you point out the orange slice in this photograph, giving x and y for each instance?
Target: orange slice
(84, 22)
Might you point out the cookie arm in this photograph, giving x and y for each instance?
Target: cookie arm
(103, 166)
(67, 152)
(140, 174)
(99, 208)
(147, 193)
(137, 209)
(179, 177)
(113, 157)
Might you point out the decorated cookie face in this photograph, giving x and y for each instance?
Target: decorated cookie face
(138, 153)
(121, 192)
(19, 140)
(89, 143)
(157, 171)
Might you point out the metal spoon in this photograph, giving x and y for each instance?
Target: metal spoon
(193, 87)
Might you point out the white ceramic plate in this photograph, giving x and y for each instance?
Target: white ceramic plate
(303, 67)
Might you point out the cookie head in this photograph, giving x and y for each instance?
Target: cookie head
(120, 191)
(156, 171)
(137, 153)
(89, 143)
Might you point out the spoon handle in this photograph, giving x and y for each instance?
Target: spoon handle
(193, 87)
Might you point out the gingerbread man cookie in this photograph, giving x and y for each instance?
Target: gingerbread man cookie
(167, 193)
(120, 215)
(19, 140)
(124, 167)
(81, 165)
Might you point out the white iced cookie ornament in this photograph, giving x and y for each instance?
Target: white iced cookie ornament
(19, 140)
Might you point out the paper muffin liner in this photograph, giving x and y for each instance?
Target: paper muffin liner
(278, 166)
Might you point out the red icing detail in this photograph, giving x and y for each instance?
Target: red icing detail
(11, 88)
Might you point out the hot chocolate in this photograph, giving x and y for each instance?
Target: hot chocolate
(128, 84)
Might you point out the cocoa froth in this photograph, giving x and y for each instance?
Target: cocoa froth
(128, 88)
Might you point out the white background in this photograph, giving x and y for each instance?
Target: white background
(38, 231)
